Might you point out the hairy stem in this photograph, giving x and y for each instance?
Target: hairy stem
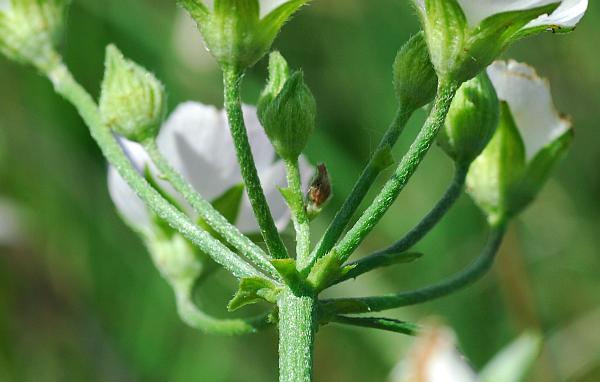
(209, 214)
(407, 167)
(465, 278)
(232, 80)
(297, 327)
(299, 215)
(361, 187)
(66, 86)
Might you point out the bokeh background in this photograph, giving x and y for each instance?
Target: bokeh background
(80, 300)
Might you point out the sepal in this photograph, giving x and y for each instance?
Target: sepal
(253, 290)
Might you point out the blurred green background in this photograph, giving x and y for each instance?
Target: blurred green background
(80, 300)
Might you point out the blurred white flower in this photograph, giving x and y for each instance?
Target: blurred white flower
(567, 15)
(435, 358)
(10, 222)
(196, 141)
(530, 102)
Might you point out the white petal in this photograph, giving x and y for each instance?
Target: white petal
(434, 358)
(530, 102)
(478, 10)
(567, 15)
(196, 141)
(262, 149)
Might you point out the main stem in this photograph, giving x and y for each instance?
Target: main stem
(232, 80)
(297, 329)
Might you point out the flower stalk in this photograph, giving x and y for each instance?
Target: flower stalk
(232, 80)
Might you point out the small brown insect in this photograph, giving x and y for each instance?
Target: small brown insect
(319, 191)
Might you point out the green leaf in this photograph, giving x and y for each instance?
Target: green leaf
(253, 290)
(271, 24)
(246, 12)
(325, 271)
(379, 260)
(288, 270)
(538, 171)
(195, 8)
(493, 35)
(387, 324)
(513, 362)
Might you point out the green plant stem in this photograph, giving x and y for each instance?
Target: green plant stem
(232, 80)
(463, 279)
(209, 214)
(407, 167)
(299, 214)
(362, 186)
(66, 86)
(198, 319)
(386, 257)
(386, 324)
(297, 328)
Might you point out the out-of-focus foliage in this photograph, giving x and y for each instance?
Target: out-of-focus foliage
(80, 300)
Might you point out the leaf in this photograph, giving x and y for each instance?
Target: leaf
(287, 269)
(253, 290)
(325, 271)
(385, 259)
(195, 8)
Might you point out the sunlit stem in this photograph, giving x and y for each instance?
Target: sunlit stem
(66, 86)
(232, 80)
(209, 214)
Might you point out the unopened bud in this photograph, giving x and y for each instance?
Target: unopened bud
(132, 102)
(471, 121)
(415, 80)
(30, 30)
(287, 110)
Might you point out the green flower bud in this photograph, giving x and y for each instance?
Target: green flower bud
(132, 101)
(471, 121)
(238, 33)
(30, 30)
(465, 36)
(502, 180)
(287, 110)
(415, 80)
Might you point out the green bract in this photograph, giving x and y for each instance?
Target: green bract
(415, 80)
(234, 31)
(132, 101)
(287, 109)
(471, 121)
(461, 45)
(502, 180)
(30, 29)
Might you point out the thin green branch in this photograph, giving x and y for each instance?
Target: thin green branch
(299, 214)
(387, 324)
(198, 319)
(209, 214)
(362, 186)
(232, 80)
(66, 86)
(407, 167)
(465, 278)
(396, 253)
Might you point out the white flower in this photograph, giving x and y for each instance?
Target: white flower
(530, 102)
(435, 358)
(567, 15)
(197, 142)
